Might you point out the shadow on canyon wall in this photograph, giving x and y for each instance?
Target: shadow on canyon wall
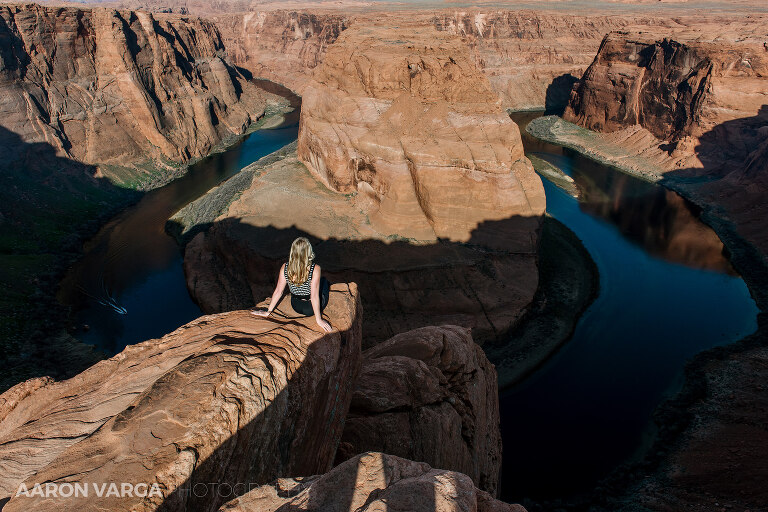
(732, 187)
(48, 203)
(483, 283)
(558, 93)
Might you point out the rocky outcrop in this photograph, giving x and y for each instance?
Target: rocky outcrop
(119, 87)
(403, 118)
(372, 481)
(671, 89)
(228, 398)
(428, 395)
(281, 46)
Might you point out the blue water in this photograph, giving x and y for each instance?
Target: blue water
(588, 409)
(134, 264)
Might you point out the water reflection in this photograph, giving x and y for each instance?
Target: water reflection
(132, 262)
(662, 222)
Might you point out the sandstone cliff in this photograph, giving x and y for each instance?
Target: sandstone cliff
(228, 398)
(430, 395)
(120, 87)
(282, 46)
(372, 482)
(402, 117)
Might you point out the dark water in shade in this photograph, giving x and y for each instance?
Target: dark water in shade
(666, 293)
(134, 262)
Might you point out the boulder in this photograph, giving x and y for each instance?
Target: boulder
(372, 482)
(230, 398)
(429, 395)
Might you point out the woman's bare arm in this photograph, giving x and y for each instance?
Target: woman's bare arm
(314, 297)
(276, 295)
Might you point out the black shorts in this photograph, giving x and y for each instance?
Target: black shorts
(302, 303)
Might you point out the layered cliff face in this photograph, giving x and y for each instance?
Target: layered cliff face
(430, 395)
(282, 46)
(402, 117)
(687, 110)
(671, 89)
(119, 87)
(225, 399)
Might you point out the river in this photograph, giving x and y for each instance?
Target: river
(666, 293)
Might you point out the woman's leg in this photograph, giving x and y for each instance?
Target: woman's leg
(325, 292)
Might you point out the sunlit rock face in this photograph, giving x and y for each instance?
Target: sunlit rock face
(228, 398)
(372, 482)
(282, 46)
(431, 395)
(119, 87)
(402, 117)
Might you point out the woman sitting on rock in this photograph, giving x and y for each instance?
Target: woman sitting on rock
(309, 291)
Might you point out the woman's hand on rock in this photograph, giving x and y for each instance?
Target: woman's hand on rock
(260, 312)
(324, 324)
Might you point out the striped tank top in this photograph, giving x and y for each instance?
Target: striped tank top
(302, 289)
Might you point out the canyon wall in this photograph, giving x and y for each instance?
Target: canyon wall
(119, 87)
(402, 117)
(281, 46)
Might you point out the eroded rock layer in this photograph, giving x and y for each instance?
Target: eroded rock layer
(429, 395)
(119, 87)
(282, 46)
(372, 482)
(228, 398)
(402, 117)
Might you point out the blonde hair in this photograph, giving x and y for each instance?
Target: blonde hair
(299, 260)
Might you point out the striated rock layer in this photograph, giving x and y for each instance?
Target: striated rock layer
(372, 482)
(429, 395)
(282, 46)
(229, 398)
(119, 87)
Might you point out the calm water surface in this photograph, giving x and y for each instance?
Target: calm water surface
(666, 293)
(134, 265)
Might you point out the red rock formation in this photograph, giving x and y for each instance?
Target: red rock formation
(119, 87)
(402, 117)
(281, 46)
(372, 482)
(228, 398)
(671, 89)
(428, 395)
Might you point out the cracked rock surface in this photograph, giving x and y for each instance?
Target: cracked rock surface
(430, 395)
